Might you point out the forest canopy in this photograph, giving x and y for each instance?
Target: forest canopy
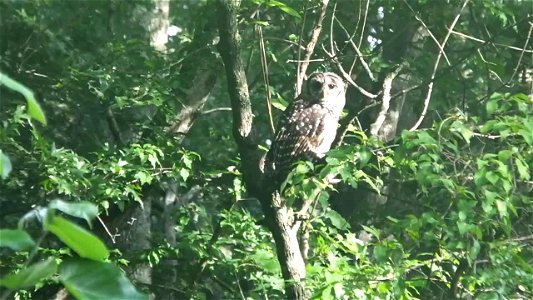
(133, 136)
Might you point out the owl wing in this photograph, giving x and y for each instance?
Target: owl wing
(301, 132)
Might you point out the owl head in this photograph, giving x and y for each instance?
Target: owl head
(326, 88)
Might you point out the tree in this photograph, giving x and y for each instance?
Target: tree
(427, 193)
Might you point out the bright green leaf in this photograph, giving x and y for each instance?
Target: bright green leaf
(284, 7)
(5, 165)
(87, 279)
(504, 155)
(15, 239)
(492, 177)
(84, 243)
(522, 168)
(34, 109)
(474, 250)
(84, 210)
(30, 276)
(502, 208)
(492, 106)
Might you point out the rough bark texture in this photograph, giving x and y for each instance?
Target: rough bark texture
(276, 213)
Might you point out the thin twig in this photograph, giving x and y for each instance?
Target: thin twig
(364, 24)
(347, 77)
(435, 67)
(486, 42)
(417, 17)
(521, 54)
(205, 112)
(264, 71)
(311, 47)
(311, 60)
(106, 229)
(359, 54)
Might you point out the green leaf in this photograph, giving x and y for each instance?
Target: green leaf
(337, 220)
(184, 174)
(504, 155)
(84, 210)
(492, 177)
(5, 165)
(84, 243)
(502, 208)
(522, 168)
(15, 239)
(492, 105)
(266, 261)
(474, 250)
(30, 276)
(381, 253)
(364, 156)
(34, 109)
(285, 8)
(86, 279)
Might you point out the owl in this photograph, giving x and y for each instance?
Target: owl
(308, 126)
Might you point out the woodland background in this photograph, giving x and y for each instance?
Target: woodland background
(128, 115)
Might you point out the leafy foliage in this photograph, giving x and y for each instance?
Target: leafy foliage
(439, 212)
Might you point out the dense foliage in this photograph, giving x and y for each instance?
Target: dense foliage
(102, 177)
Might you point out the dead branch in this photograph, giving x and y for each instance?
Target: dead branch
(357, 51)
(385, 102)
(347, 76)
(264, 71)
(310, 47)
(466, 36)
(521, 54)
(417, 17)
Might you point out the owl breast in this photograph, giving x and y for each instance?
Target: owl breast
(307, 127)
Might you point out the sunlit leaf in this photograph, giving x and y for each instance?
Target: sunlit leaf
(34, 109)
(5, 165)
(87, 279)
(84, 243)
(83, 209)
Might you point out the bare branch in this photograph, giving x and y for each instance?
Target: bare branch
(364, 24)
(311, 47)
(206, 112)
(417, 17)
(385, 102)
(229, 48)
(521, 54)
(264, 71)
(111, 236)
(347, 77)
(435, 67)
(359, 54)
(485, 42)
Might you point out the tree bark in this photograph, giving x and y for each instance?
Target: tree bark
(159, 24)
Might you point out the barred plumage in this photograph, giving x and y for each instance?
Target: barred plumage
(308, 126)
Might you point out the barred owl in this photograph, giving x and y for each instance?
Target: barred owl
(308, 126)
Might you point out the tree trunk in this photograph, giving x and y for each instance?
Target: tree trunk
(159, 24)
(276, 213)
